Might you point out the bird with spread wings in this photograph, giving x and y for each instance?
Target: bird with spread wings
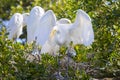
(39, 24)
(79, 32)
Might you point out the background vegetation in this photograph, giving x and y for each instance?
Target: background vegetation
(100, 60)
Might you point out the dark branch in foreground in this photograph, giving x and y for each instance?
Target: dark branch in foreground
(93, 72)
(96, 72)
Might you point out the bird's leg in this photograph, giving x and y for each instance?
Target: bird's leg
(58, 62)
(67, 64)
(35, 47)
(70, 52)
(14, 39)
(59, 73)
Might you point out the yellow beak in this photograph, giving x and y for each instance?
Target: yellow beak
(52, 33)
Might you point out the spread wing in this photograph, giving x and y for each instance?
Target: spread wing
(15, 26)
(25, 18)
(81, 31)
(33, 21)
(46, 24)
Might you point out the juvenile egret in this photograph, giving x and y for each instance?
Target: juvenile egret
(50, 46)
(79, 32)
(33, 21)
(15, 26)
(43, 29)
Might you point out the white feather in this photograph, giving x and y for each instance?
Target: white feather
(25, 18)
(15, 26)
(33, 22)
(50, 48)
(80, 32)
(50, 45)
(46, 24)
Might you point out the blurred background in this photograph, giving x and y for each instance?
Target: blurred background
(105, 15)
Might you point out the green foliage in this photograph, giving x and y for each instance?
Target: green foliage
(105, 16)
(14, 65)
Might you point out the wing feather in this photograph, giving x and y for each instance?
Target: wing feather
(47, 22)
(81, 31)
(33, 21)
(50, 48)
(15, 26)
(25, 18)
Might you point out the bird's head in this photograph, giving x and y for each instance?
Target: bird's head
(63, 21)
(59, 34)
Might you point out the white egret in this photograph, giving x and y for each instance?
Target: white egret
(50, 46)
(15, 26)
(79, 32)
(43, 29)
(33, 21)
